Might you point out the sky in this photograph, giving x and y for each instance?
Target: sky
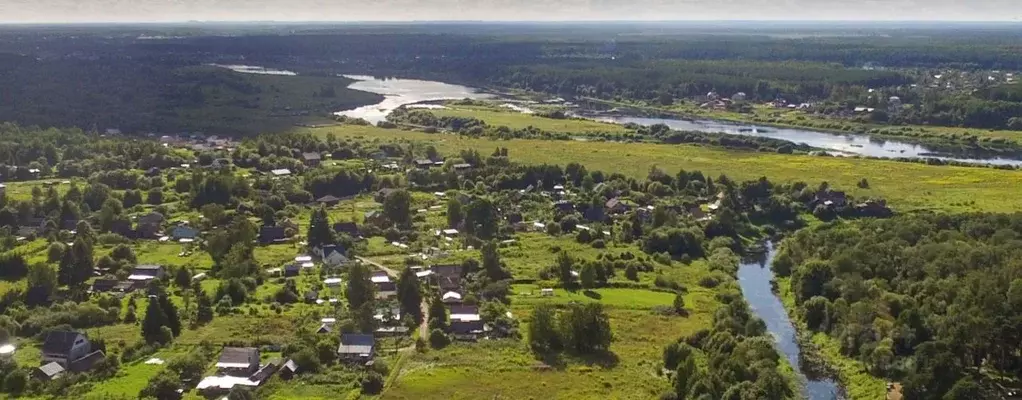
(60, 11)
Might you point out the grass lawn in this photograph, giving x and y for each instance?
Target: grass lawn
(517, 120)
(906, 186)
(507, 369)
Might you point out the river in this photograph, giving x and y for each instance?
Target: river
(754, 278)
(400, 92)
(844, 144)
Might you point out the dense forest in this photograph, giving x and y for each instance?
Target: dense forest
(930, 300)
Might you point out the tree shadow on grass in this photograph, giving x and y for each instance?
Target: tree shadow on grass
(592, 295)
(604, 359)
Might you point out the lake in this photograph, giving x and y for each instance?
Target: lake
(400, 92)
(754, 278)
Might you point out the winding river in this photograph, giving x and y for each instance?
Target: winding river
(401, 92)
(847, 144)
(754, 278)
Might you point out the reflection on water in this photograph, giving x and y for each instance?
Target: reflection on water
(399, 92)
(849, 144)
(252, 69)
(754, 278)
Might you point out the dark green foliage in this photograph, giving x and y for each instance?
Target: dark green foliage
(320, 231)
(360, 289)
(437, 339)
(543, 336)
(585, 329)
(438, 319)
(455, 215)
(163, 386)
(409, 294)
(397, 207)
(938, 293)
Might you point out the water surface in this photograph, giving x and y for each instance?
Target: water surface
(843, 144)
(754, 278)
(400, 92)
(253, 69)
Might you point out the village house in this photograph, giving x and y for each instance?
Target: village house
(448, 276)
(238, 361)
(64, 347)
(184, 232)
(423, 164)
(374, 217)
(385, 288)
(48, 372)
(292, 269)
(288, 370)
(102, 285)
(147, 272)
(356, 347)
(831, 198)
(466, 323)
(311, 159)
(348, 228)
(564, 206)
(329, 200)
(272, 234)
(281, 172)
(462, 167)
(334, 256)
(616, 206)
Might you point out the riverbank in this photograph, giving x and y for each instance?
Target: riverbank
(856, 381)
(948, 139)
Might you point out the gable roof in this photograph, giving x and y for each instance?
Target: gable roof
(104, 285)
(356, 343)
(51, 370)
(328, 199)
(464, 309)
(182, 231)
(350, 228)
(311, 156)
(271, 233)
(60, 342)
(87, 361)
(238, 357)
(290, 365)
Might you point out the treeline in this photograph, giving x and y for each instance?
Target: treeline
(927, 300)
(665, 80)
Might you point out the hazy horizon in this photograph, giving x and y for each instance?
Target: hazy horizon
(167, 11)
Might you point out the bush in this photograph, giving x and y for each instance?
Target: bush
(709, 282)
(599, 244)
(438, 340)
(16, 382)
(372, 383)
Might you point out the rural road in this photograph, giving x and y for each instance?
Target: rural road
(424, 326)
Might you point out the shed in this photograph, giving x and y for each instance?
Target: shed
(356, 347)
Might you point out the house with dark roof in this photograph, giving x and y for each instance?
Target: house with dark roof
(564, 206)
(272, 234)
(462, 167)
(615, 206)
(102, 285)
(265, 372)
(329, 200)
(311, 159)
(448, 277)
(831, 198)
(122, 227)
(349, 228)
(424, 164)
(238, 361)
(466, 330)
(356, 347)
(64, 347)
(87, 362)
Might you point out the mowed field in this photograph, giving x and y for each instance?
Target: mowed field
(906, 186)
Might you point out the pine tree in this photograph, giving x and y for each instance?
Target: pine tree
(84, 264)
(491, 262)
(360, 287)
(203, 308)
(320, 232)
(437, 314)
(154, 320)
(409, 294)
(173, 321)
(454, 213)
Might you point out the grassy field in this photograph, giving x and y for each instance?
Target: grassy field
(507, 370)
(516, 120)
(906, 186)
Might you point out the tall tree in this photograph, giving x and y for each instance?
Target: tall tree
(320, 232)
(542, 334)
(153, 322)
(410, 294)
(455, 215)
(173, 321)
(437, 313)
(42, 282)
(481, 219)
(397, 207)
(565, 264)
(491, 263)
(360, 287)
